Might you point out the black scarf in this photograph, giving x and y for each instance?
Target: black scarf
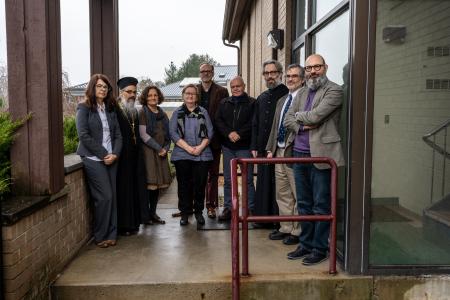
(152, 118)
(184, 112)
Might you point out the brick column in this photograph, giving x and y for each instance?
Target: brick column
(34, 86)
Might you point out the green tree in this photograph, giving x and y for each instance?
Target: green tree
(171, 73)
(188, 68)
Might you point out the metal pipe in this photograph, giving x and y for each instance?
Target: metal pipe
(234, 232)
(235, 219)
(238, 55)
(244, 171)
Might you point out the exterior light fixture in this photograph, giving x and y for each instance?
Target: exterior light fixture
(275, 39)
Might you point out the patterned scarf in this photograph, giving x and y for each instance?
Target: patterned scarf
(196, 113)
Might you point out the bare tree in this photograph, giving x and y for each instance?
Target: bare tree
(3, 87)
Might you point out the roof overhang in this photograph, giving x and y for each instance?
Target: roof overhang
(236, 15)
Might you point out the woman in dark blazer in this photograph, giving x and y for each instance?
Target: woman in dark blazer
(99, 148)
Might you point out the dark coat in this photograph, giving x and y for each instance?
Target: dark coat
(263, 116)
(235, 116)
(129, 183)
(217, 93)
(90, 132)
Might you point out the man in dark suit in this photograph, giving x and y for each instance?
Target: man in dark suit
(313, 121)
(210, 96)
(284, 175)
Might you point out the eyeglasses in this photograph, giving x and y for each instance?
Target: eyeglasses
(315, 67)
(101, 86)
(206, 71)
(271, 73)
(190, 94)
(291, 76)
(130, 92)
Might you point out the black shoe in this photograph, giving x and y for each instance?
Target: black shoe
(291, 240)
(298, 253)
(277, 235)
(225, 215)
(200, 219)
(184, 220)
(314, 258)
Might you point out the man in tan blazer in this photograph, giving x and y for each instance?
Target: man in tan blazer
(313, 124)
(284, 176)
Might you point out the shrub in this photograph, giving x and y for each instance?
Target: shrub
(8, 129)
(70, 135)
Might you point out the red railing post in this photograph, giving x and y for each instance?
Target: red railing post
(235, 219)
(234, 231)
(244, 171)
(333, 189)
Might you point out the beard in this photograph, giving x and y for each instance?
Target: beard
(128, 104)
(315, 83)
(273, 85)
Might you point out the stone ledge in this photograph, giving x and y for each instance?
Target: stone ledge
(18, 207)
(72, 163)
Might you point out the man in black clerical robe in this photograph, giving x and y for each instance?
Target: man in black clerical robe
(265, 201)
(130, 180)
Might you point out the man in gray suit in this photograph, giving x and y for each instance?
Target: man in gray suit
(313, 121)
(284, 177)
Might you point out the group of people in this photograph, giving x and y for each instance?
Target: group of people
(125, 150)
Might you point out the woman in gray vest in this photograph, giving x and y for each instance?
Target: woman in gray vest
(99, 148)
(191, 130)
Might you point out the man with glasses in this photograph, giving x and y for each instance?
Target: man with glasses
(265, 106)
(313, 121)
(210, 96)
(128, 191)
(284, 177)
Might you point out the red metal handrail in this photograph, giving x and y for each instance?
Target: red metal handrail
(245, 218)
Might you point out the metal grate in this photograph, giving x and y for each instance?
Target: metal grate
(438, 51)
(437, 84)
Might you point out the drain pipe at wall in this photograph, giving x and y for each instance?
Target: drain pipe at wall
(238, 55)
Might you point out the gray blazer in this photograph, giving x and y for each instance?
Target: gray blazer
(325, 140)
(272, 142)
(90, 132)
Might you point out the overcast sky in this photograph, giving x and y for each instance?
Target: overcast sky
(151, 35)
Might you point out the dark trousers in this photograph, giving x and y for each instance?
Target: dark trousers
(313, 198)
(101, 180)
(191, 178)
(212, 189)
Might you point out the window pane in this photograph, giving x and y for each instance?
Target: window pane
(322, 7)
(299, 55)
(301, 23)
(332, 43)
(410, 200)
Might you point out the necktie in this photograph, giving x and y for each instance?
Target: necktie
(282, 129)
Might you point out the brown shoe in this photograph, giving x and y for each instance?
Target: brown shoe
(111, 242)
(102, 244)
(225, 215)
(211, 213)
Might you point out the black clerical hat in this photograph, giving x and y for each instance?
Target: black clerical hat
(126, 81)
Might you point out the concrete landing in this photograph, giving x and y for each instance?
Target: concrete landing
(173, 262)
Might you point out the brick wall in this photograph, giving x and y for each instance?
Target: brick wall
(38, 246)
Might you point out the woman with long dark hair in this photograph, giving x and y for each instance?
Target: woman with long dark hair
(100, 142)
(191, 130)
(154, 132)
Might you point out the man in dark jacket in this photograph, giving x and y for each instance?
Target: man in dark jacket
(234, 126)
(265, 106)
(210, 96)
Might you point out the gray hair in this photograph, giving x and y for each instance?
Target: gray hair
(274, 62)
(301, 73)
